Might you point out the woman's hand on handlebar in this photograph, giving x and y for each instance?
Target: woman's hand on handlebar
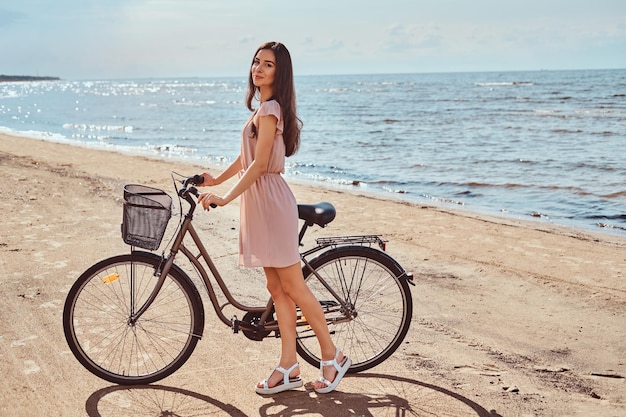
(208, 180)
(209, 199)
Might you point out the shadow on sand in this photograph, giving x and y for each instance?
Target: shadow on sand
(362, 395)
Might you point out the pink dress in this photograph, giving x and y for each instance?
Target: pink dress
(268, 234)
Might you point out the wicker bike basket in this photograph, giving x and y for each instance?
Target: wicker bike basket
(147, 211)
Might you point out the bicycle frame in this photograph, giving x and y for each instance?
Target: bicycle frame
(264, 323)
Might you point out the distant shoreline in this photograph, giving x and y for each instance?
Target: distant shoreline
(14, 78)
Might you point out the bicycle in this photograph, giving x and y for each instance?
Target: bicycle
(136, 318)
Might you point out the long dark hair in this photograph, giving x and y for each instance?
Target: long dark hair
(284, 92)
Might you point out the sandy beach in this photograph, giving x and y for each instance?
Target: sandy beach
(511, 318)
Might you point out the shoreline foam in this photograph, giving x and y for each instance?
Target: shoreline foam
(533, 219)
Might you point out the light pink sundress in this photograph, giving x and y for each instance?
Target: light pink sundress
(268, 234)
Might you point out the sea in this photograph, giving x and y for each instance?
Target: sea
(545, 146)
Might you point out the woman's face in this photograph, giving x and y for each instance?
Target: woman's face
(264, 68)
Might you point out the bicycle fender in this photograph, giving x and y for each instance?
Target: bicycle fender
(159, 259)
(400, 272)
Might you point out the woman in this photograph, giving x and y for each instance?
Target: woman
(268, 234)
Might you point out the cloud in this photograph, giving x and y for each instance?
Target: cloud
(401, 38)
(333, 45)
(133, 38)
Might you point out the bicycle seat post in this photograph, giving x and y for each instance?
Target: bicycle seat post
(302, 232)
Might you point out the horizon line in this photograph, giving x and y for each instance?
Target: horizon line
(59, 78)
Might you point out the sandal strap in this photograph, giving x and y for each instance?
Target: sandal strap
(324, 381)
(286, 372)
(331, 362)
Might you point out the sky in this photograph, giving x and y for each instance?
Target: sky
(108, 39)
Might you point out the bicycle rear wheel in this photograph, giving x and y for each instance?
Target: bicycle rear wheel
(374, 286)
(98, 329)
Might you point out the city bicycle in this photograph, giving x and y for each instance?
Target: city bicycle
(136, 318)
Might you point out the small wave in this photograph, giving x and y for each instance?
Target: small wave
(385, 83)
(334, 90)
(573, 190)
(395, 190)
(550, 113)
(595, 167)
(515, 186)
(35, 134)
(9, 94)
(172, 149)
(443, 200)
(378, 122)
(609, 222)
(607, 217)
(610, 226)
(486, 185)
(604, 133)
(191, 103)
(539, 215)
(81, 126)
(504, 83)
(384, 182)
(83, 137)
(599, 111)
(618, 194)
(566, 131)
(319, 177)
(469, 194)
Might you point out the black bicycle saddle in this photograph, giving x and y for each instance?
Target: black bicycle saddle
(320, 213)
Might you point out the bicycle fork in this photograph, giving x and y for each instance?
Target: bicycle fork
(160, 273)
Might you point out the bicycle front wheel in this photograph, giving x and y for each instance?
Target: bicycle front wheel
(98, 326)
(378, 300)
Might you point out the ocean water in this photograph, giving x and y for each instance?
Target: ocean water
(548, 146)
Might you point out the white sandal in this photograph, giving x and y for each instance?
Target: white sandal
(341, 371)
(285, 385)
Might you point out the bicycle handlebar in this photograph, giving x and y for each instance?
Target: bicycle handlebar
(196, 179)
(188, 188)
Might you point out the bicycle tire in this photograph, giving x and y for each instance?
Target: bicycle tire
(375, 285)
(98, 330)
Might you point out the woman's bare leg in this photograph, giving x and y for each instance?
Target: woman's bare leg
(286, 315)
(294, 287)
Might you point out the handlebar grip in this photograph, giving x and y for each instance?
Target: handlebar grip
(197, 179)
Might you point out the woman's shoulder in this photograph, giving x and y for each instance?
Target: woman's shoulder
(269, 107)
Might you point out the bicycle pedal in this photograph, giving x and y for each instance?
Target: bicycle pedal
(234, 324)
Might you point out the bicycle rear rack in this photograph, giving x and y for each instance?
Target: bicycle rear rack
(368, 240)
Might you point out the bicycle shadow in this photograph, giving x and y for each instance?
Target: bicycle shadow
(158, 400)
(363, 395)
(372, 395)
